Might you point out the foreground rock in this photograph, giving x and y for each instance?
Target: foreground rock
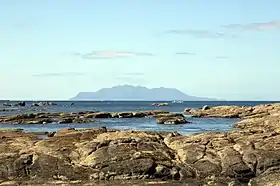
(249, 156)
(236, 157)
(234, 111)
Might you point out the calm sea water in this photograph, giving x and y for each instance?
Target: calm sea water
(197, 125)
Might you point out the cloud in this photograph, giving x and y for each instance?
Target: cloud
(185, 53)
(59, 74)
(134, 74)
(255, 26)
(197, 33)
(221, 57)
(111, 54)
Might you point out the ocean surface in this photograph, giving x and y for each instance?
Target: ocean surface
(145, 124)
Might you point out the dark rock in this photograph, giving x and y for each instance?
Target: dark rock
(20, 104)
(7, 104)
(43, 104)
(125, 115)
(205, 107)
(102, 115)
(140, 114)
(66, 120)
(246, 156)
(160, 104)
(171, 119)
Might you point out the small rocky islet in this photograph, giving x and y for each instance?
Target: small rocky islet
(248, 155)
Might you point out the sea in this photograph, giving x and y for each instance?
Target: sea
(144, 124)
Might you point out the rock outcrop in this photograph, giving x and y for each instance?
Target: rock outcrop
(160, 104)
(40, 104)
(171, 118)
(89, 116)
(248, 156)
(234, 111)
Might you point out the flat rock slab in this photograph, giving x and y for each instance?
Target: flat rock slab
(74, 117)
(234, 111)
(249, 156)
(101, 154)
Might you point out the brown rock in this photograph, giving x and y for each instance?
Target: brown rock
(65, 120)
(156, 112)
(171, 118)
(246, 156)
(102, 115)
(234, 111)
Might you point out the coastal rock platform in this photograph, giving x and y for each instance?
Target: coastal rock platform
(89, 117)
(249, 156)
(234, 111)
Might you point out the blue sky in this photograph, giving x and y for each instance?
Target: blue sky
(222, 49)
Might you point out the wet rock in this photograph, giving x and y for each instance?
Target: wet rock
(156, 112)
(171, 119)
(169, 115)
(102, 115)
(187, 110)
(20, 104)
(205, 107)
(65, 120)
(7, 104)
(83, 120)
(122, 115)
(141, 114)
(250, 155)
(160, 104)
(125, 115)
(239, 157)
(43, 104)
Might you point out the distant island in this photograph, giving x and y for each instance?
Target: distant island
(137, 93)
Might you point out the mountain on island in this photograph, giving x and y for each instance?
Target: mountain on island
(137, 93)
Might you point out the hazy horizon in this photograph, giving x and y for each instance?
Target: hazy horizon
(127, 99)
(51, 50)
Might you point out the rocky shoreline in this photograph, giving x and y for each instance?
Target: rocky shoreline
(162, 117)
(234, 111)
(247, 156)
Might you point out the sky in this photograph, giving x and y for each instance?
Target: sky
(220, 49)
